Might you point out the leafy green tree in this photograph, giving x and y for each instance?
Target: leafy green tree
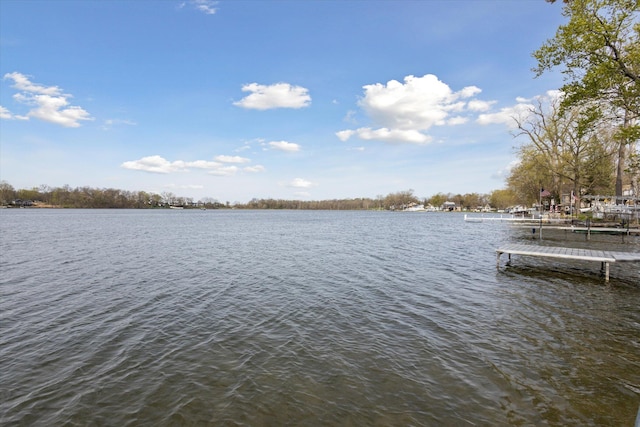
(599, 50)
(502, 199)
(399, 199)
(568, 150)
(29, 194)
(437, 200)
(7, 193)
(528, 176)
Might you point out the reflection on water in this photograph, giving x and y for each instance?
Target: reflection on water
(307, 318)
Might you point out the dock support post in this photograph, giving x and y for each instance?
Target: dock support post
(604, 268)
(498, 260)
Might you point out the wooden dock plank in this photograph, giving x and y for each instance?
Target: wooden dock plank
(625, 256)
(605, 257)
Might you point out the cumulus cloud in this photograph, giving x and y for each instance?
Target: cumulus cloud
(300, 183)
(22, 82)
(158, 164)
(279, 95)
(232, 159)
(387, 135)
(219, 167)
(404, 112)
(155, 164)
(284, 146)
(48, 103)
(478, 105)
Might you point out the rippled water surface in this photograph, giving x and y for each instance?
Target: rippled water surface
(272, 318)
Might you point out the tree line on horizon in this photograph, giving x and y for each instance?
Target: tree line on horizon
(103, 198)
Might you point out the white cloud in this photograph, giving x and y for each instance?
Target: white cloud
(458, 120)
(200, 164)
(185, 186)
(555, 95)
(5, 114)
(469, 91)
(206, 6)
(224, 171)
(232, 159)
(344, 135)
(300, 183)
(21, 82)
(279, 95)
(387, 135)
(158, 164)
(350, 117)
(8, 115)
(418, 104)
(519, 112)
(155, 164)
(55, 109)
(284, 146)
(49, 103)
(403, 112)
(506, 171)
(477, 105)
(507, 115)
(254, 169)
(109, 123)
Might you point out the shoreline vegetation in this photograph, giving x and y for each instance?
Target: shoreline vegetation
(66, 197)
(110, 198)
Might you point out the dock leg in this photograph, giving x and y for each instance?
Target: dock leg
(606, 272)
(498, 260)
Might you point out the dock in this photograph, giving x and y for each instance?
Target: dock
(604, 257)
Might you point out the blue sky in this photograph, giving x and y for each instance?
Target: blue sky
(235, 100)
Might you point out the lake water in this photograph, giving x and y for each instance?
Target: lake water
(276, 318)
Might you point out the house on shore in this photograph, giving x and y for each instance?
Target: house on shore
(449, 206)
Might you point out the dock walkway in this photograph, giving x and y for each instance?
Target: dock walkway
(605, 257)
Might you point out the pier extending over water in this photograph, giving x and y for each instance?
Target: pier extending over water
(604, 257)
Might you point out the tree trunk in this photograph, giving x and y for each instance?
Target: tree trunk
(622, 151)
